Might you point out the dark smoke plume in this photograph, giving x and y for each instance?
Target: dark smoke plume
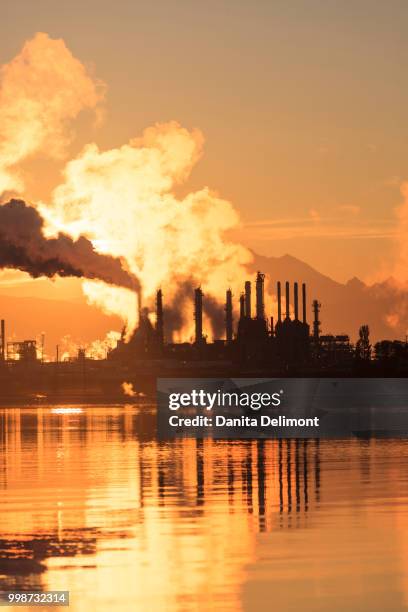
(215, 312)
(173, 312)
(23, 247)
(174, 317)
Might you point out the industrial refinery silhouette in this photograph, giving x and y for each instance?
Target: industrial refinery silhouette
(254, 344)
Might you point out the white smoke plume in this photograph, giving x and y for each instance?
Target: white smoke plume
(124, 199)
(41, 91)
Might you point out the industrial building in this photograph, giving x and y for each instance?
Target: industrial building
(253, 343)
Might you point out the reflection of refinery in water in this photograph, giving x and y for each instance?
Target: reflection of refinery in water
(253, 344)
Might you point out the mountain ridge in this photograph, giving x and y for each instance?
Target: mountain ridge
(345, 306)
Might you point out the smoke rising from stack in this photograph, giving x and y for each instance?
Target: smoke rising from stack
(24, 247)
(175, 317)
(124, 200)
(215, 312)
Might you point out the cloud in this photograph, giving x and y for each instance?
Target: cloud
(42, 89)
(307, 227)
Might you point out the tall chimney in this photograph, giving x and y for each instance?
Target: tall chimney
(260, 304)
(287, 301)
(248, 299)
(279, 303)
(159, 317)
(241, 306)
(228, 316)
(316, 322)
(304, 302)
(198, 315)
(296, 301)
(3, 341)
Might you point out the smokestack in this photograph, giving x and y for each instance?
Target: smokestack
(287, 301)
(248, 299)
(304, 302)
(198, 315)
(279, 303)
(3, 341)
(241, 306)
(260, 305)
(296, 301)
(316, 322)
(228, 316)
(159, 317)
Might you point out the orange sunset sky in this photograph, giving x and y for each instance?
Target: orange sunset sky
(301, 109)
(302, 104)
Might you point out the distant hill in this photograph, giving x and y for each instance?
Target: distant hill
(384, 306)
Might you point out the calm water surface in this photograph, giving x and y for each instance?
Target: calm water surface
(92, 503)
